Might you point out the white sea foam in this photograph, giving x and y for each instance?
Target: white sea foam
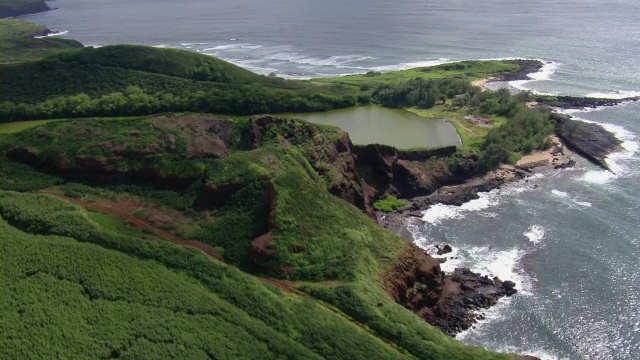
(584, 203)
(547, 70)
(545, 73)
(559, 193)
(501, 263)
(410, 65)
(191, 44)
(494, 313)
(233, 47)
(535, 234)
(59, 33)
(618, 94)
(438, 213)
(484, 260)
(616, 161)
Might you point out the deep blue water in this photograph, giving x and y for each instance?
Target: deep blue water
(572, 243)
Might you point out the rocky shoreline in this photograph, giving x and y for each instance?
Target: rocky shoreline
(456, 303)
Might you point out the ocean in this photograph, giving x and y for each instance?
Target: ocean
(571, 243)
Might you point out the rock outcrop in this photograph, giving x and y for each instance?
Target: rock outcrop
(330, 157)
(577, 102)
(407, 174)
(588, 139)
(204, 136)
(449, 302)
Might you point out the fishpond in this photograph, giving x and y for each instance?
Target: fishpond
(379, 125)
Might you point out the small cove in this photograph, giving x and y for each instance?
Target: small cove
(379, 125)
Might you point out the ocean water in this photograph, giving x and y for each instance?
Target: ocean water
(572, 244)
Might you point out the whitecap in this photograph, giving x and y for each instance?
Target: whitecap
(584, 203)
(535, 234)
(234, 47)
(559, 193)
(410, 65)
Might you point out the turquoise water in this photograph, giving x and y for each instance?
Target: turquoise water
(571, 244)
(378, 125)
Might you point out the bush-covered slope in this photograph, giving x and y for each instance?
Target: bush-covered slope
(172, 62)
(74, 289)
(268, 198)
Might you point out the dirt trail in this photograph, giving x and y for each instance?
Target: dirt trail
(122, 209)
(462, 125)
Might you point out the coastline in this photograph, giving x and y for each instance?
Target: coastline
(466, 294)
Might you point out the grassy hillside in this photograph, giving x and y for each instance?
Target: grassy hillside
(109, 290)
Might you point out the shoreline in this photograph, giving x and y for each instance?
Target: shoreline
(467, 294)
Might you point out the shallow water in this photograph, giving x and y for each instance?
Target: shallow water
(572, 244)
(378, 125)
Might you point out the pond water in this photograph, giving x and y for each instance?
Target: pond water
(379, 125)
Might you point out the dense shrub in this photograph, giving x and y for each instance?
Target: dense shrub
(389, 204)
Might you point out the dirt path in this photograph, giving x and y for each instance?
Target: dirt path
(470, 131)
(122, 209)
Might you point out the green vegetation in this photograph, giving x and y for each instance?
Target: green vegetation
(172, 62)
(106, 294)
(16, 28)
(89, 274)
(512, 126)
(389, 204)
(468, 70)
(14, 127)
(17, 43)
(95, 273)
(259, 192)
